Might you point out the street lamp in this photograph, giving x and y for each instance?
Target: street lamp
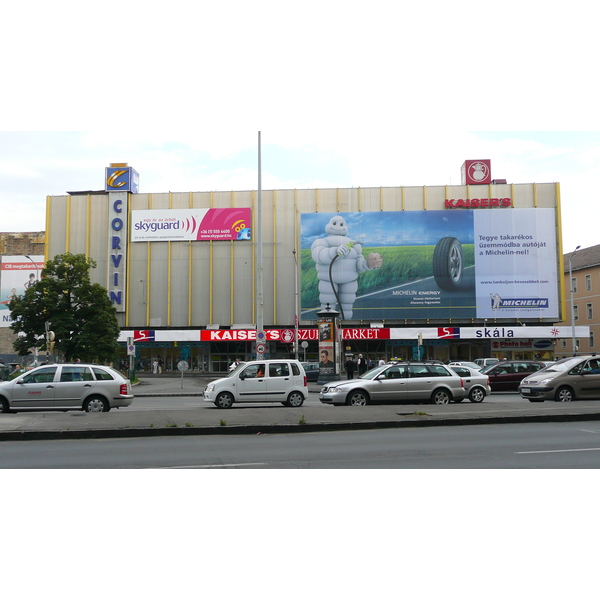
(572, 301)
(37, 273)
(37, 278)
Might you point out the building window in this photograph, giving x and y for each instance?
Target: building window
(588, 283)
(589, 311)
(574, 285)
(564, 343)
(576, 345)
(576, 313)
(591, 339)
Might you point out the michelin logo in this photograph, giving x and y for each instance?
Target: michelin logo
(498, 303)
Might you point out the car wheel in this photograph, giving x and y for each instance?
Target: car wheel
(295, 400)
(564, 394)
(4, 406)
(448, 263)
(96, 404)
(476, 395)
(441, 397)
(358, 398)
(224, 400)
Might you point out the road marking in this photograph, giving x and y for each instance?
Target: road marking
(216, 466)
(551, 451)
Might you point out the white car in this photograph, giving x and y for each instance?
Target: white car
(477, 384)
(260, 381)
(465, 363)
(73, 386)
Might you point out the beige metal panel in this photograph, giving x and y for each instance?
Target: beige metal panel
(242, 277)
(221, 283)
(523, 196)
(435, 197)
(200, 296)
(414, 198)
(391, 199)
(56, 235)
(370, 199)
(179, 284)
(138, 286)
(77, 223)
(546, 195)
(98, 236)
(159, 252)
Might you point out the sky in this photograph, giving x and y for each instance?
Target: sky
(36, 164)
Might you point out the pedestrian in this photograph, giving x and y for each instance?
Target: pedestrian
(234, 364)
(161, 364)
(155, 366)
(382, 361)
(362, 365)
(350, 367)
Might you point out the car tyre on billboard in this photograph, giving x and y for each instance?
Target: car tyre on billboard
(448, 263)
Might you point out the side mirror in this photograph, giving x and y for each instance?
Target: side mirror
(242, 376)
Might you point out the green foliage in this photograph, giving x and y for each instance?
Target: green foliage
(400, 264)
(79, 312)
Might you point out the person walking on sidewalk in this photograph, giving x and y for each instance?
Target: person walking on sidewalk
(350, 368)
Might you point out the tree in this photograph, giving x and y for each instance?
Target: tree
(80, 313)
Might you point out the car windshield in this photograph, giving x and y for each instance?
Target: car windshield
(237, 369)
(563, 365)
(374, 372)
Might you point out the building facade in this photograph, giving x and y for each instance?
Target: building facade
(24, 251)
(445, 272)
(582, 278)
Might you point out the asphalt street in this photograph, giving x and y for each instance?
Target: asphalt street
(187, 414)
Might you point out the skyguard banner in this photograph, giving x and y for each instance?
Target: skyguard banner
(197, 224)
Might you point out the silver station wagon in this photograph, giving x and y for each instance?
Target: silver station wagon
(92, 388)
(397, 382)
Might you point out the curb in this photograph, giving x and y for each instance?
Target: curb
(290, 428)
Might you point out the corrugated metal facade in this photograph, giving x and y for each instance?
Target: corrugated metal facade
(194, 284)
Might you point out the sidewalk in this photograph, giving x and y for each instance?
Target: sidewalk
(203, 418)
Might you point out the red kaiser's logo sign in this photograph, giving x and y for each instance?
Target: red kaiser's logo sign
(476, 172)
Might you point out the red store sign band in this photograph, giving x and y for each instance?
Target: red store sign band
(288, 335)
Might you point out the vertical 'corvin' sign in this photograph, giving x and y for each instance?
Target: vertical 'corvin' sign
(120, 181)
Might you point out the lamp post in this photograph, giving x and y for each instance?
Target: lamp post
(572, 301)
(296, 310)
(37, 278)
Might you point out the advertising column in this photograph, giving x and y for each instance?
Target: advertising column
(328, 345)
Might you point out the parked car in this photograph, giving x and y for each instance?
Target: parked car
(575, 378)
(508, 374)
(260, 381)
(477, 384)
(87, 387)
(420, 381)
(486, 362)
(311, 370)
(465, 363)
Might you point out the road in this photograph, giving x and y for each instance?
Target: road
(574, 445)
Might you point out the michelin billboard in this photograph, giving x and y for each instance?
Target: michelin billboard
(460, 264)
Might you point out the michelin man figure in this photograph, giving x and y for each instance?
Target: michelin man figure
(346, 268)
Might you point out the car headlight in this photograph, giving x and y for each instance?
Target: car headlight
(210, 387)
(547, 380)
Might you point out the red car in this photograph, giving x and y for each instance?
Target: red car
(507, 375)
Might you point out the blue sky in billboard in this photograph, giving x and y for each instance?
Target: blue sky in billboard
(409, 228)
